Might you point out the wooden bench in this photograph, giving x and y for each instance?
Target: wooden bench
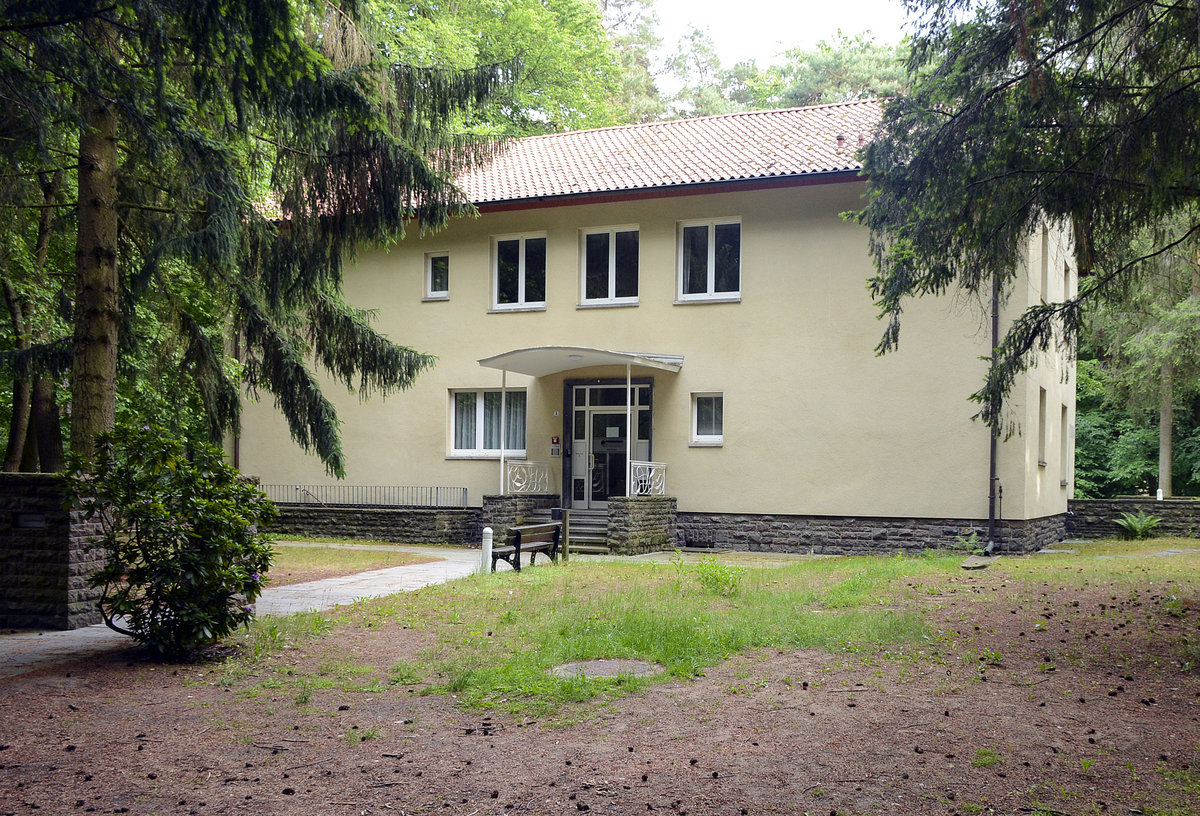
(529, 538)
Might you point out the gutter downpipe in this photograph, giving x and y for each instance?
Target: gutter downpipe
(629, 431)
(991, 542)
(503, 399)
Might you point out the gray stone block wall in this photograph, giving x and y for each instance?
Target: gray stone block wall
(502, 512)
(45, 562)
(642, 524)
(397, 524)
(850, 535)
(1096, 518)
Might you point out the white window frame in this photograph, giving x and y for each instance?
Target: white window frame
(522, 304)
(612, 300)
(480, 452)
(706, 440)
(430, 292)
(709, 295)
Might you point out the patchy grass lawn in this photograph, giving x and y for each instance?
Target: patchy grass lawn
(1063, 684)
(298, 561)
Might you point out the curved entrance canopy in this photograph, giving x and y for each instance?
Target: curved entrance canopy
(542, 361)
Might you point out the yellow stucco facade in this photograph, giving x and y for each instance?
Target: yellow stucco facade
(813, 421)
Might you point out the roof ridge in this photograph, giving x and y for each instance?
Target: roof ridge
(709, 118)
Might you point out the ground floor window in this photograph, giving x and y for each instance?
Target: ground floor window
(708, 419)
(476, 422)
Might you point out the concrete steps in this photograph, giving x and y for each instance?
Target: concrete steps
(588, 532)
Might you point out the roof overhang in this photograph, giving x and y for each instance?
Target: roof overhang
(542, 361)
(673, 190)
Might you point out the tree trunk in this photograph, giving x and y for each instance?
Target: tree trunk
(29, 454)
(97, 308)
(1165, 424)
(18, 425)
(48, 426)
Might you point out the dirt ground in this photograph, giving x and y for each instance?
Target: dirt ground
(1053, 701)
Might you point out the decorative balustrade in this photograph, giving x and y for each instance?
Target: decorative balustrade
(649, 478)
(527, 477)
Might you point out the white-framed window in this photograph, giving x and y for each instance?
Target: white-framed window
(708, 418)
(1042, 429)
(609, 266)
(710, 260)
(475, 422)
(437, 276)
(519, 271)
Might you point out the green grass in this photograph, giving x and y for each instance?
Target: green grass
(498, 635)
(494, 638)
(986, 758)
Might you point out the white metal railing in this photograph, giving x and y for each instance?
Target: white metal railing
(648, 478)
(367, 495)
(527, 477)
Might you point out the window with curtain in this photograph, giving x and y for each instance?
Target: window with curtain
(708, 419)
(476, 422)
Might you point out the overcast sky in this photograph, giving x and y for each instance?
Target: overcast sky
(759, 29)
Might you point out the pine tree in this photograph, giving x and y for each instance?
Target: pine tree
(227, 157)
(1076, 111)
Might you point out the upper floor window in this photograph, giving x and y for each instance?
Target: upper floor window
(710, 260)
(519, 272)
(610, 266)
(437, 276)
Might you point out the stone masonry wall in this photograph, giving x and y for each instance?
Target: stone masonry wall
(1096, 518)
(401, 525)
(44, 560)
(847, 535)
(641, 524)
(502, 512)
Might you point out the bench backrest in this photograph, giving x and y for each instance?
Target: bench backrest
(535, 533)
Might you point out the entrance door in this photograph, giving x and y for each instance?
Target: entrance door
(599, 464)
(607, 465)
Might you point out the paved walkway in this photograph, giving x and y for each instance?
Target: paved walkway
(26, 651)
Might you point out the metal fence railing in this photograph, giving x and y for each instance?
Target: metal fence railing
(367, 495)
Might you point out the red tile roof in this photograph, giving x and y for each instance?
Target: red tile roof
(733, 147)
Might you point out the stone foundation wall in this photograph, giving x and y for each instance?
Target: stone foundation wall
(44, 560)
(397, 524)
(848, 535)
(1096, 518)
(502, 512)
(641, 524)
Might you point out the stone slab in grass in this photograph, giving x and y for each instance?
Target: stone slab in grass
(977, 562)
(606, 668)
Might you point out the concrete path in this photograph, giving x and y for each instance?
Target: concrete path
(26, 651)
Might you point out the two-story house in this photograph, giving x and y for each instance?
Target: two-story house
(679, 308)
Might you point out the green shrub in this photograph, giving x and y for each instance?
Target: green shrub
(1139, 526)
(184, 557)
(718, 578)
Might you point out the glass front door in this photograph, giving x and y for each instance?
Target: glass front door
(607, 465)
(599, 448)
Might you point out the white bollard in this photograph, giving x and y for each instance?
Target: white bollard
(485, 557)
(1159, 496)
